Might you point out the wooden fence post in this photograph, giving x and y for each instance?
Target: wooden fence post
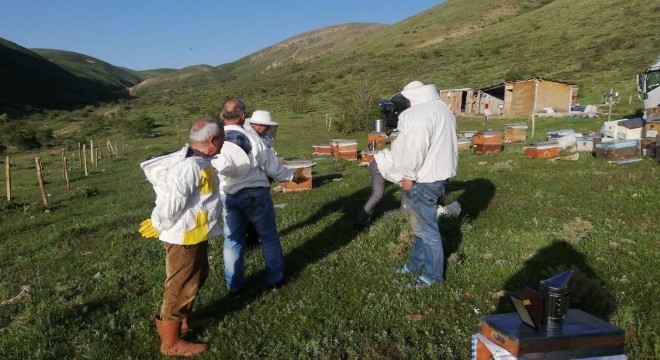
(80, 156)
(91, 151)
(98, 157)
(8, 177)
(40, 176)
(66, 173)
(84, 159)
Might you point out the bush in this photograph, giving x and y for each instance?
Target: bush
(142, 126)
(21, 136)
(357, 109)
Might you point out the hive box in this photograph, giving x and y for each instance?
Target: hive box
(542, 150)
(610, 129)
(344, 149)
(487, 142)
(515, 132)
(582, 336)
(615, 150)
(630, 129)
(377, 140)
(586, 143)
(305, 166)
(367, 157)
(652, 129)
(464, 144)
(322, 150)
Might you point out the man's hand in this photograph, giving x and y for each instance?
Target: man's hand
(147, 230)
(407, 184)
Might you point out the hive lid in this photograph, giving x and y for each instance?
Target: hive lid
(298, 163)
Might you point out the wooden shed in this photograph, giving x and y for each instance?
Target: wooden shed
(534, 95)
(460, 101)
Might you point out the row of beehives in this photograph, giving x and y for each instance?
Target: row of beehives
(347, 149)
(616, 140)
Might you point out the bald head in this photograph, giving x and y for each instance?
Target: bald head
(233, 112)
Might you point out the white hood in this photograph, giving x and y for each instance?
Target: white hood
(419, 93)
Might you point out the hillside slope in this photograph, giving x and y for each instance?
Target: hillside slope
(599, 45)
(82, 65)
(302, 49)
(186, 78)
(30, 81)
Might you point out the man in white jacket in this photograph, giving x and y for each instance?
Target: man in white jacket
(246, 199)
(185, 216)
(423, 157)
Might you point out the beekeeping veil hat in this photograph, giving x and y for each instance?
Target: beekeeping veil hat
(418, 92)
(262, 117)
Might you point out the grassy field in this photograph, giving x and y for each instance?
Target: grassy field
(95, 285)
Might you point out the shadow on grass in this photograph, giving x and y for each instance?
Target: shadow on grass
(475, 197)
(328, 240)
(585, 288)
(320, 181)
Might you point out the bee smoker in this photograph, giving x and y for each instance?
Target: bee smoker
(554, 292)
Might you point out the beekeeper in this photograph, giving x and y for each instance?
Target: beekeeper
(425, 157)
(246, 198)
(185, 217)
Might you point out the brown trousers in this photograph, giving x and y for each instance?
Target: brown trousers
(187, 268)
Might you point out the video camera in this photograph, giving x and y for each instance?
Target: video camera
(390, 109)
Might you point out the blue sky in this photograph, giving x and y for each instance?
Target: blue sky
(149, 34)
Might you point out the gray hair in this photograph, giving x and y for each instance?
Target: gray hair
(203, 129)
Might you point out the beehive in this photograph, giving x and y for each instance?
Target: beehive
(366, 157)
(615, 150)
(377, 140)
(344, 149)
(542, 150)
(323, 150)
(515, 132)
(464, 144)
(487, 142)
(305, 168)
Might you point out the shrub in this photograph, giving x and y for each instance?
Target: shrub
(143, 126)
(357, 109)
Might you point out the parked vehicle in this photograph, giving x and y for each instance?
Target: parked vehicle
(648, 84)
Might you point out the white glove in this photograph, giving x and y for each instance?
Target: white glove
(452, 210)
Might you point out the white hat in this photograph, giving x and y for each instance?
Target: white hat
(261, 117)
(417, 92)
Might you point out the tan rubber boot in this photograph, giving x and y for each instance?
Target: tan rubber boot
(171, 342)
(189, 323)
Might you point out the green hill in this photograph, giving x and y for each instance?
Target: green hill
(30, 81)
(81, 65)
(597, 45)
(188, 78)
(145, 74)
(301, 49)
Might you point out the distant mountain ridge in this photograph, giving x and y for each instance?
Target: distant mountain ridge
(31, 81)
(91, 68)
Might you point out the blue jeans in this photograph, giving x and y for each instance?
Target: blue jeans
(250, 205)
(427, 255)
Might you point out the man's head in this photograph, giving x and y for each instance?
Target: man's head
(233, 112)
(207, 136)
(261, 122)
(417, 92)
